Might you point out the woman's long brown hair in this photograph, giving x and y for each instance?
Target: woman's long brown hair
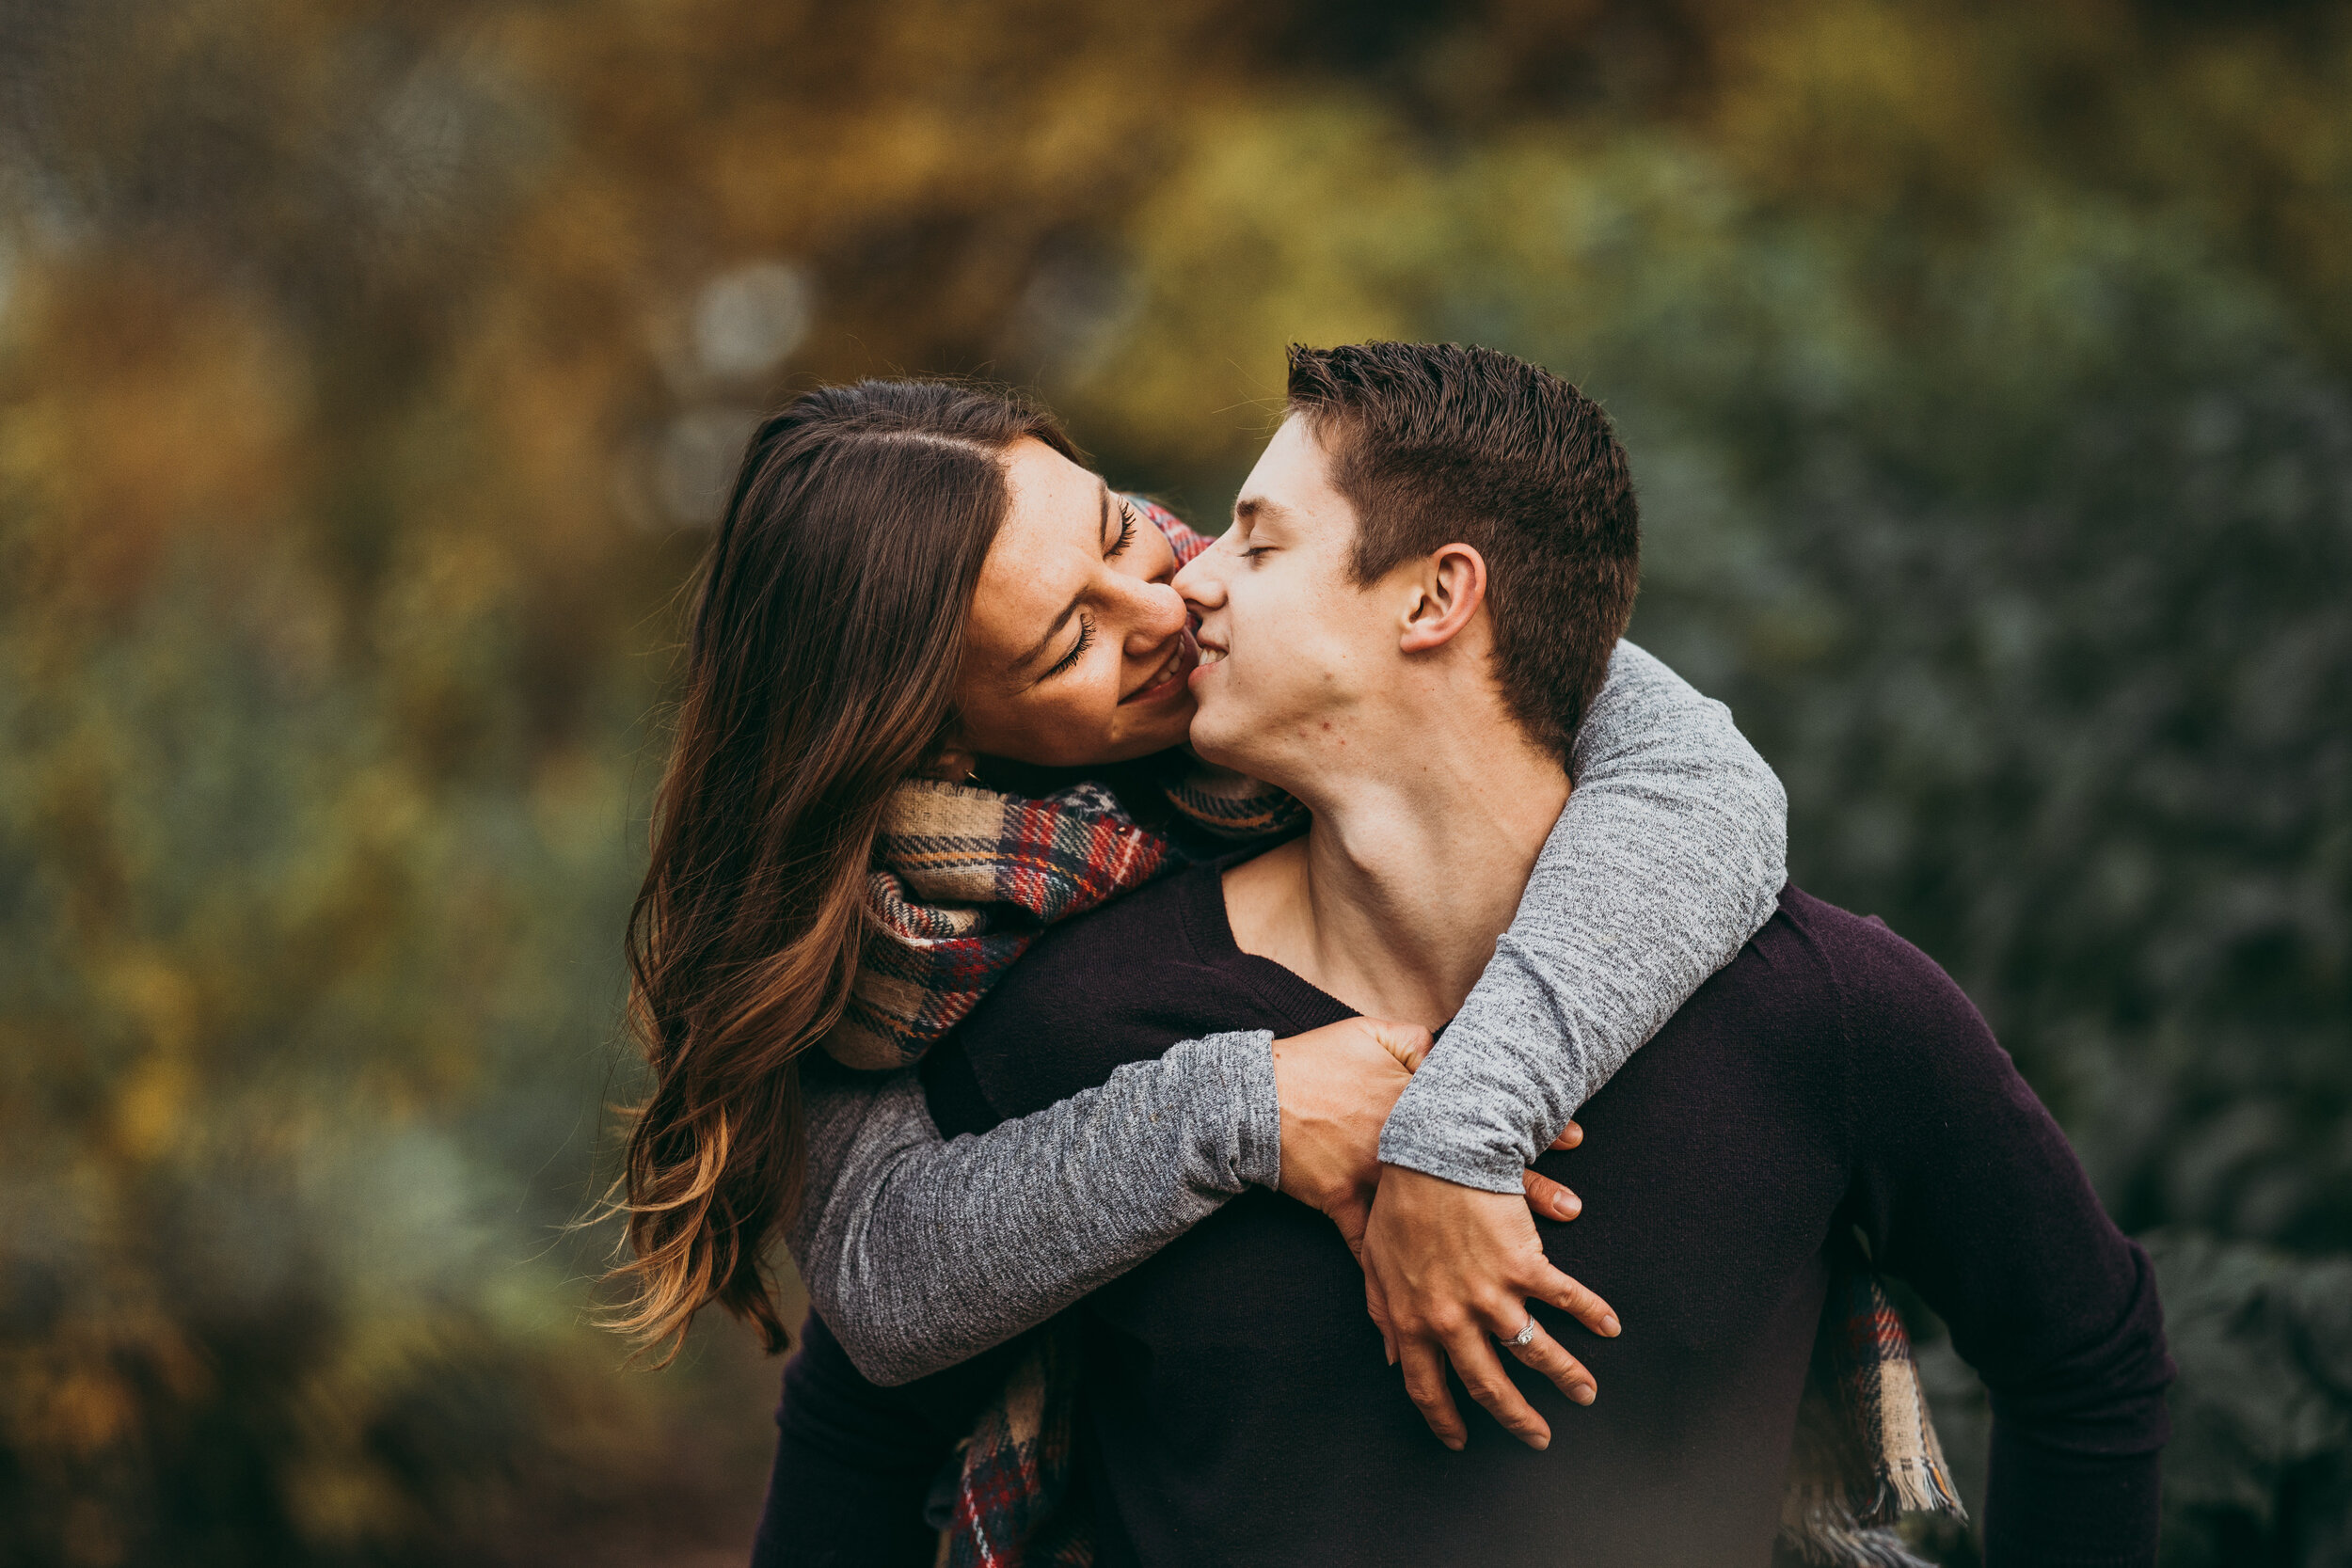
(821, 670)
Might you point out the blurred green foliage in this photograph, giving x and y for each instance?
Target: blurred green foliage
(367, 374)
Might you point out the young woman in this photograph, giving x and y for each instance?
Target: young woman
(922, 624)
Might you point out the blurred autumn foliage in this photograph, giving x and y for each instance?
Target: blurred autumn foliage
(369, 371)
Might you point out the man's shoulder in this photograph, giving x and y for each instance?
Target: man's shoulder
(1872, 975)
(1133, 933)
(1117, 984)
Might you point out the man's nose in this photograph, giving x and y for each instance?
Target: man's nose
(1200, 583)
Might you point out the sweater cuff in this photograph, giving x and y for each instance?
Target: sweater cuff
(1245, 1066)
(1438, 1151)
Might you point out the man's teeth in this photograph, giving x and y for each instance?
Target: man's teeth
(1210, 655)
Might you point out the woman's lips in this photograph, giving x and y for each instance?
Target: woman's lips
(1172, 677)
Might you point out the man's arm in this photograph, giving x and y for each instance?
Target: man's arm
(1966, 1187)
(1670, 855)
(855, 1461)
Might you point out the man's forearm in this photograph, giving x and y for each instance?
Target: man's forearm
(1670, 855)
(2052, 1508)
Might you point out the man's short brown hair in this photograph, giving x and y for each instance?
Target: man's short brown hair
(1437, 444)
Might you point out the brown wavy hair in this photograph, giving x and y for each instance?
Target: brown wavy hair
(827, 637)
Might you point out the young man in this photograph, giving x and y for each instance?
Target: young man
(1426, 573)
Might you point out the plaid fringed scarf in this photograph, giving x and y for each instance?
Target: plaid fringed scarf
(965, 879)
(1866, 1450)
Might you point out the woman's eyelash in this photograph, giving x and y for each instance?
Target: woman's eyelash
(1126, 527)
(1077, 649)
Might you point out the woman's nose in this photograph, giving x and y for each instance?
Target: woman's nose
(1158, 613)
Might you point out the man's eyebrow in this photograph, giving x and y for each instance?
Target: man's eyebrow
(1253, 510)
(1037, 649)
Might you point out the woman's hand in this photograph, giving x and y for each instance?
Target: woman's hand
(1337, 1085)
(1447, 1271)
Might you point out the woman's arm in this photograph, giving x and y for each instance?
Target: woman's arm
(920, 1252)
(1671, 854)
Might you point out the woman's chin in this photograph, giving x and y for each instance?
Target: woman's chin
(1161, 731)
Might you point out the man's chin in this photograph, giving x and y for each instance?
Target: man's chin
(1223, 744)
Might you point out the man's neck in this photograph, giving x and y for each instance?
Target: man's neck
(1393, 899)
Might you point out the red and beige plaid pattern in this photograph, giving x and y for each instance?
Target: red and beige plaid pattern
(1013, 1505)
(1867, 1448)
(963, 881)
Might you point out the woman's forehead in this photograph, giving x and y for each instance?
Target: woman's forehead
(1044, 483)
(1046, 553)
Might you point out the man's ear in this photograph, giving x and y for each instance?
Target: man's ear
(1445, 594)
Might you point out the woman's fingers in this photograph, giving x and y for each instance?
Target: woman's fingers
(1377, 1302)
(1424, 1383)
(1407, 1043)
(1480, 1371)
(1550, 1199)
(1569, 1137)
(1550, 1285)
(1547, 1356)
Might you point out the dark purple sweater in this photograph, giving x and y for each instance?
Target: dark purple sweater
(1239, 1409)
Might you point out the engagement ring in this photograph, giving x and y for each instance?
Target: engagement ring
(1519, 1340)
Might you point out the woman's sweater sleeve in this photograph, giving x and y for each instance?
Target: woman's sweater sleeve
(920, 1252)
(1671, 854)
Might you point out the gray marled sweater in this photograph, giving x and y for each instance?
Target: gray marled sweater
(921, 1253)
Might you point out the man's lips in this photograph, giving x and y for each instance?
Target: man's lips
(1170, 677)
(1211, 656)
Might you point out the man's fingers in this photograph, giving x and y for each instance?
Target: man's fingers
(1550, 1199)
(1569, 1137)
(1482, 1373)
(1424, 1382)
(1553, 1286)
(1568, 1374)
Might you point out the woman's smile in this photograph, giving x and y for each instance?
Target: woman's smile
(1171, 676)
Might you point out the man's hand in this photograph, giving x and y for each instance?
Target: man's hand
(1448, 1270)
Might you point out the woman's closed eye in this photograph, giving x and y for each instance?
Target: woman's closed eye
(1077, 649)
(1126, 529)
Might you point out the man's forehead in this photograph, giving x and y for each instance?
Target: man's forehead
(1292, 483)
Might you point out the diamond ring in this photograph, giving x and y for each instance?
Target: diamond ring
(1520, 1340)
